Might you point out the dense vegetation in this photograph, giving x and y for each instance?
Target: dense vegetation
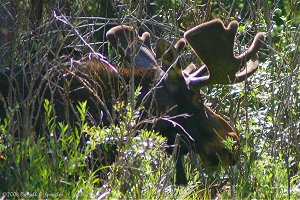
(265, 109)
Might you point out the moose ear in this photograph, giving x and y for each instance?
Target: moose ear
(167, 52)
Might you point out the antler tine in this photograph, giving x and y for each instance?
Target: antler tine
(122, 38)
(255, 46)
(191, 74)
(180, 44)
(119, 37)
(213, 43)
(250, 58)
(145, 39)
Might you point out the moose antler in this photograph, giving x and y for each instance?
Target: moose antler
(213, 43)
(139, 52)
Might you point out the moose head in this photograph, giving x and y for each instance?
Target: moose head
(203, 131)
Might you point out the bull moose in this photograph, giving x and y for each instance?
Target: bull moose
(167, 89)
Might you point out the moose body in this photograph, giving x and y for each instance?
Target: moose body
(169, 93)
(89, 80)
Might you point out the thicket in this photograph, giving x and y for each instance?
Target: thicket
(265, 109)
